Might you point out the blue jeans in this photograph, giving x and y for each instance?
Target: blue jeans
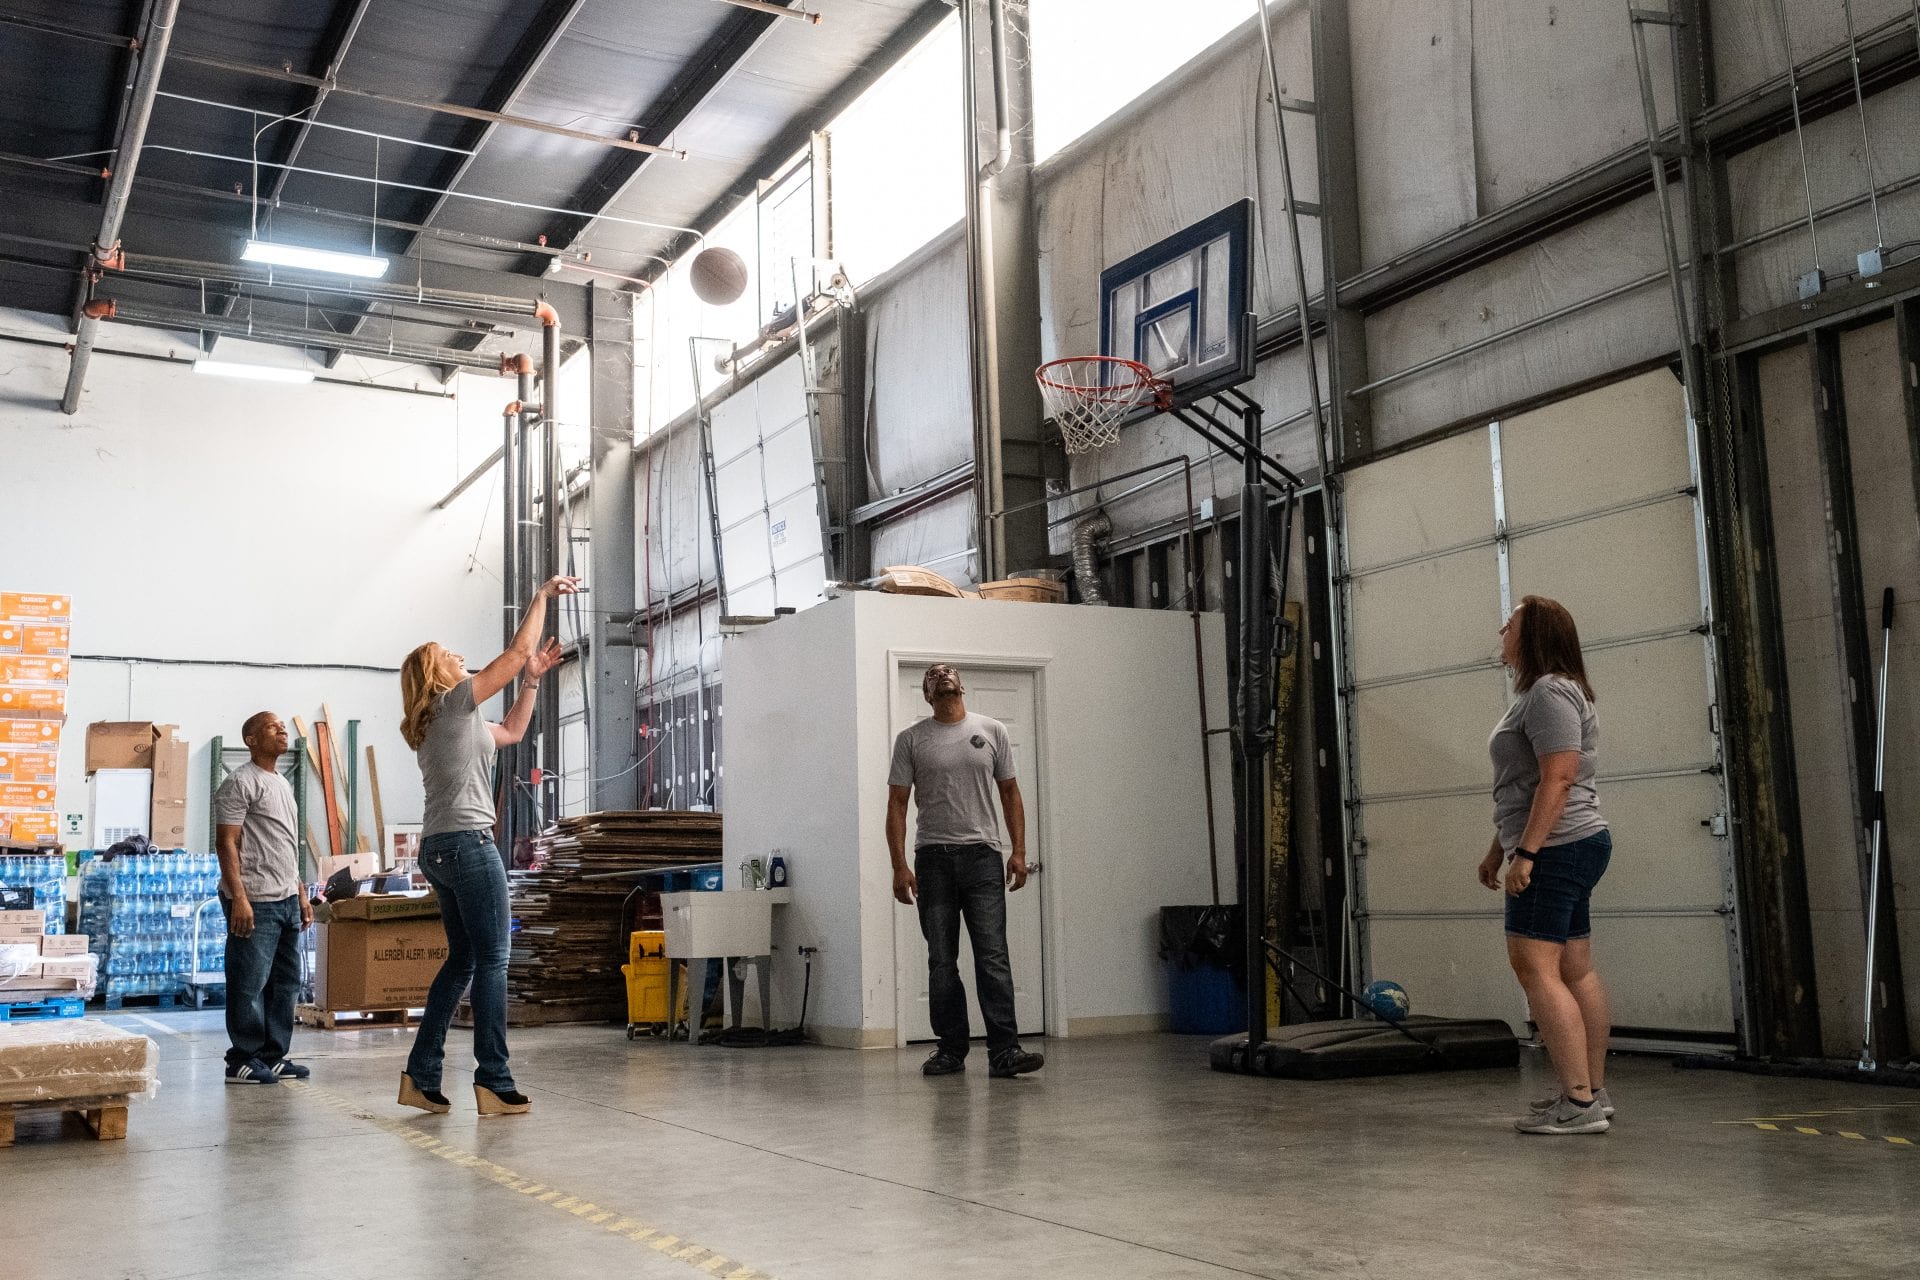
(263, 981)
(465, 870)
(966, 881)
(1554, 905)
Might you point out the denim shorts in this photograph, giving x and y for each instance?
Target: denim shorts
(1554, 905)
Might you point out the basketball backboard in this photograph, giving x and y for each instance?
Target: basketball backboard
(1180, 306)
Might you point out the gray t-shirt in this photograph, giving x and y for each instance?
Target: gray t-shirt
(1552, 716)
(952, 769)
(456, 766)
(261, 804)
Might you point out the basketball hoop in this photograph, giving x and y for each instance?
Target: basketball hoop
(1088, 397)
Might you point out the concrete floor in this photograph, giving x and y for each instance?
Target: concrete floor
(1125, 1160)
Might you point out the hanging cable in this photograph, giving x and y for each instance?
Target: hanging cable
(1799, 135)
(1866, 135)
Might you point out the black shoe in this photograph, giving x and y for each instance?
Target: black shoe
(942, 1063)
(286, 1069)
(1009, 1063)
(252, 1071)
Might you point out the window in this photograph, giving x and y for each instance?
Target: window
(1092, 57)
(899, 159)
(786, 240)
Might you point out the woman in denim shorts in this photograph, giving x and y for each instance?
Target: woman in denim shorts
(1555, 845)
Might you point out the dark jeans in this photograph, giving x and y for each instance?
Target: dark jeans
(465, 870)
(966, 881)
(263, 981)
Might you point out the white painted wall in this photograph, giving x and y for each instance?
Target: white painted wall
(210, 523)
(1118, 820)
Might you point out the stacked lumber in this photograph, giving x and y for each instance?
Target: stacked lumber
(567, 950)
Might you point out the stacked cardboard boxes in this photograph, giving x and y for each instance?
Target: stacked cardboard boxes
(141, 744)
(36, 631)
(37, 965)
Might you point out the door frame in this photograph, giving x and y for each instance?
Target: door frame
(1040, 823)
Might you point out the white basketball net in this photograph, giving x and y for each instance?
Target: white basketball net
(1088, 397)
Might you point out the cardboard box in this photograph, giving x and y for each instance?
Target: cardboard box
(50, 641)
(32, 700)
(44, 734)
(30, 796)
(22, 669)
(20, 959)
(28, 766)
(31, 828)
(381, 962)
(122, 744)
(60, 967)
(27, 926)
(58, 946)
(74, 1058)
(168, 828)
(34, 606)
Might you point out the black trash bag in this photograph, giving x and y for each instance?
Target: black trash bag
(132, 846)
(1209, 937)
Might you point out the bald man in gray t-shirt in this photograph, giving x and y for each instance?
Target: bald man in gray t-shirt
(954, 763)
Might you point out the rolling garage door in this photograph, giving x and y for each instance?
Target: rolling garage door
(1591, 501)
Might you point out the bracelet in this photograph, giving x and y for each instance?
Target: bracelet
(529, 686)
(1528, 854)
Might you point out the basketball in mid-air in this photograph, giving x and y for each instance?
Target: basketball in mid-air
(719, 276)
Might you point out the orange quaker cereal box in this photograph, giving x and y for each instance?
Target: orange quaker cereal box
(20, 669)
(53, 640)
(26, 795)
(43, 734)
(13, 636)
(28, 765)
(34, 606)
(30, 700)
(29, 828)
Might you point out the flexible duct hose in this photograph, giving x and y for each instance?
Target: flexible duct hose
(1086, 571)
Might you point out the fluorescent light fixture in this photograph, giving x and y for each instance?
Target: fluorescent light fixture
(262, 372)
(365, 265)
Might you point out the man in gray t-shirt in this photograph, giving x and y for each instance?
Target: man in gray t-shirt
(255, 821)
(953, 763)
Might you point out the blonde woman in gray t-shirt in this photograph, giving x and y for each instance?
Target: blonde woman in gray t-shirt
(455, 745)
(1555, 844)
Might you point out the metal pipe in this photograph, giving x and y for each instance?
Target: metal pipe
(1866, 135)
(289, 336)
(777, 10)
(300, 118)
(133, 134)
(1867, 1060)
(553, 484)
(1799, 136)
(1297, 259)
(1002, 111)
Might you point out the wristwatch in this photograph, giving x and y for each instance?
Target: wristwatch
(1528, 854)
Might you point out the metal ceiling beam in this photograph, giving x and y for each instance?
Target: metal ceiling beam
(288, 76)
(342, 41)
(704, 73)
(133, 134)
(918, 27)
(549, 27)
(112, 131)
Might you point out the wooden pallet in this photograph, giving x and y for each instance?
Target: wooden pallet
(308, 1015)
(105, 1118)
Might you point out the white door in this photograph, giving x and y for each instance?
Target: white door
(1006, 696)
(1591, 501)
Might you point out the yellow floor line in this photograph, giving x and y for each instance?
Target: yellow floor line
(696, 1256)
(1851, 1135)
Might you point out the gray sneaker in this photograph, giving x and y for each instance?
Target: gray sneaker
(1546, 1104)
(1564, 1117)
